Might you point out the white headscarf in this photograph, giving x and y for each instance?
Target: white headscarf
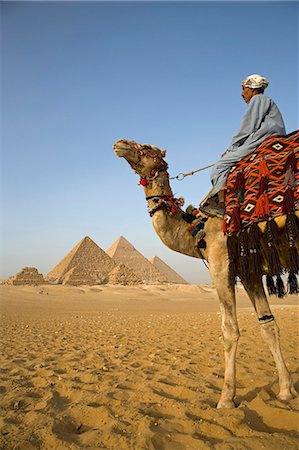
(255, 81)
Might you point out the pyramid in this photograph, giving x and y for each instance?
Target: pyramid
(86, 263)
(169, 273)
(123, 252)
(121, 274)
(28, 275)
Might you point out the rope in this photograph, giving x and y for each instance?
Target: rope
(181, 176)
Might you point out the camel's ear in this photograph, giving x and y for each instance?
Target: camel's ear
(163, 153)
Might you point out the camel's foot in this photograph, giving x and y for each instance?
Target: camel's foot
(288, 393)
(227, 404)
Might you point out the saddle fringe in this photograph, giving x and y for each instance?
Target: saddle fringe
(247, 254)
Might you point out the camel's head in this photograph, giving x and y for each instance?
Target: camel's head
(147, 160)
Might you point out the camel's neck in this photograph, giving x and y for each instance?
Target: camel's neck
(170, 227)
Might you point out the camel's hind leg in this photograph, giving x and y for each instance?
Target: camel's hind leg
(270, 333)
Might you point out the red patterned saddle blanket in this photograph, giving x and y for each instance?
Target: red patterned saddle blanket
(263, 185)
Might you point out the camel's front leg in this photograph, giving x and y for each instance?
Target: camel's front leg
(270, 333)
(230, 330)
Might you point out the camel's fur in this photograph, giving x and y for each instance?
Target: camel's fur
(173, 231)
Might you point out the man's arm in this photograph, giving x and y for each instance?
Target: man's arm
(258, 108)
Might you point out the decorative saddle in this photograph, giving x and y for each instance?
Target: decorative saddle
(263, 185)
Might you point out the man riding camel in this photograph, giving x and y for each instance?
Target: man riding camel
(261, 120)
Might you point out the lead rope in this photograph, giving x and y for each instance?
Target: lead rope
(181, 176)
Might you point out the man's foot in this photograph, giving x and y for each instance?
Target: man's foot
(213, 211)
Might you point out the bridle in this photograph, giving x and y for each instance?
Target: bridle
(141, 151)
(161, 202)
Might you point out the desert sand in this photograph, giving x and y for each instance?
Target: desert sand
(137, 368)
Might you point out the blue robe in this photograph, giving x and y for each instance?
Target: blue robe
(262, 119)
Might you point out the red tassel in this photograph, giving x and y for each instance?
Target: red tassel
(291, 162)
(262, 208)
(288, 205)
(174, 209)
(143, 182)
(263, 185)
(236, 219)
(239, 182)
(263, 169)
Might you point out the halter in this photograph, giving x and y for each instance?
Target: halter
(165, 202)
(161, 166)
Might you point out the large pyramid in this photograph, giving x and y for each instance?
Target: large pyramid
(122, 252)
(86, 263)
(170, 274)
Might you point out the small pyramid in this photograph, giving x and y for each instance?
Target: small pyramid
(121, 274)
(170, 274)
(28, 275)
(123, 252)
(86, 263)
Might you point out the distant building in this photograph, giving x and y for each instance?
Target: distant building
(123, 252)
(28, 275)
(170, 274)
(86, 263)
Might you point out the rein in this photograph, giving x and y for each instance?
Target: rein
(181, 176)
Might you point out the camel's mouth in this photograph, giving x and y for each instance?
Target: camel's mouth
(119, 151)
(120, 148)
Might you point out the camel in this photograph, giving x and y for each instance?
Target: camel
(167, 218)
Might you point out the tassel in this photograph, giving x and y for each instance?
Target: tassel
(232, 249)
(239, 182)
(190, 209)
(262, 208)
(187, 217)
(273, 230)
(292, 225)
(263, 169)
(254, 236)
(270, 285)
(191, 227)
(239, 186)
(174, 209)
(243, 254)
(294, 259)
(272, 254)
(289, 179)
(280, 287)
(254, 257)
(201, 244)
(273, 260)
(293, 284)
(143, 182)
(197, 228)
(291, 162)
(236, 219)
(263, 186)
(288, 205)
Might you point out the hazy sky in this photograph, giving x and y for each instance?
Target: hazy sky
(76, 76)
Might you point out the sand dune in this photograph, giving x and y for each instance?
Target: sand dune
(138, 367)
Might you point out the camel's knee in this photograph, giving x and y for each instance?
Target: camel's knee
(231, 334)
